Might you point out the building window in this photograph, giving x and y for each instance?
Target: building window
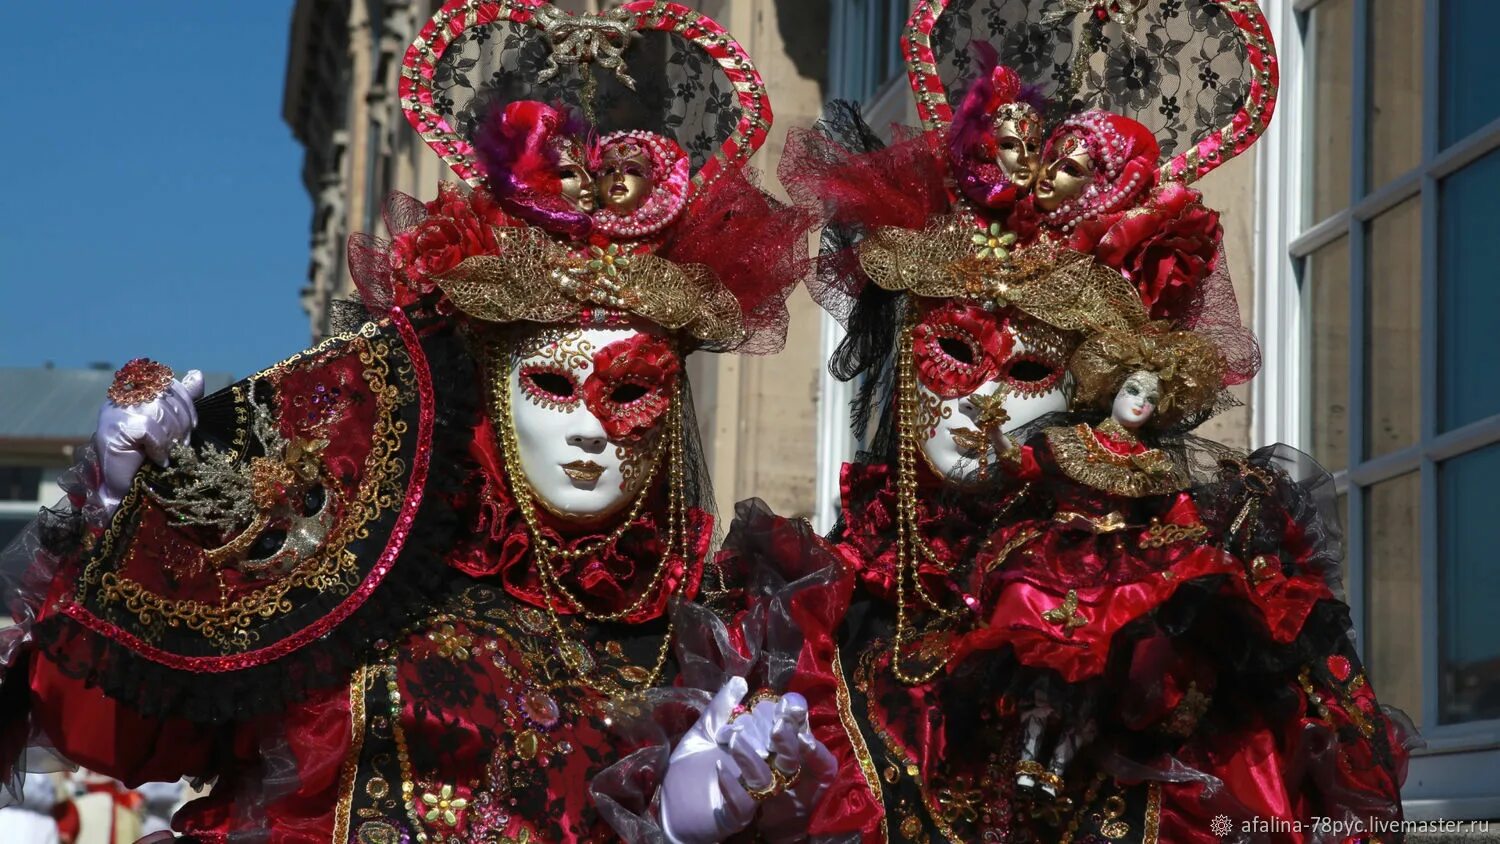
(864, 62)
(20, 483)
(1393, 249)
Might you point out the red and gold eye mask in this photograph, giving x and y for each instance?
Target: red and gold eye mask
(632, 384)
(958, 347)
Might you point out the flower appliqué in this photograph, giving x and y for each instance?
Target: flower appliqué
(994, 243)
(443, 806)
(451, 644)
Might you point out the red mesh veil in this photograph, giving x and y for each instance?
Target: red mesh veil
(1214, 314)
(755, 246)
(846, 175)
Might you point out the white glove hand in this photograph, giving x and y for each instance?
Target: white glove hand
(127, 435)
(702, 798)
(775, 735)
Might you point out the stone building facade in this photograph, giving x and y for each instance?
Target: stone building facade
(1357, 235)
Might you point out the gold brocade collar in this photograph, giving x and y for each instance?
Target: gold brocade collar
(1083, 458)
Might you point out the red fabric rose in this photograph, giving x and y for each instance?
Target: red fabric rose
(631, 385)
(452, 231)
(1166, 248)
(1025, 221)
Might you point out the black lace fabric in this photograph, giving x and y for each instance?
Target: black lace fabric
(1182, 69)
(679, 90)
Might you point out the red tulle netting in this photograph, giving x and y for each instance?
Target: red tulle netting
(754, 246)
(900, 185)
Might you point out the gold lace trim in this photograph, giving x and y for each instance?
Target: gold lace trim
(349, 768)
(1063, 288)
(1083, 458)
(856, 737)
(540, 280)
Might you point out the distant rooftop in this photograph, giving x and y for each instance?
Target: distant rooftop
(62, 404)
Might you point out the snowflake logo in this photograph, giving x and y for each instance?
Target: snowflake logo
(1221, 826)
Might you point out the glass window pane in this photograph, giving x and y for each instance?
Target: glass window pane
(1325, 301)
(1395, 71)
(1393, 577)
(1470, 64)
(1468, 296)
(1469, 644)
(1330, 52)
(1393, 342)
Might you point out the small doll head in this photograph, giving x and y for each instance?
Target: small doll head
(1148, 377)
(1095, 163)
(573, 172)
(641, 183)
(1137, 399)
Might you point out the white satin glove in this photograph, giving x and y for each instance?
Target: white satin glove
(775, 734)
(127, 435)
(702, 798)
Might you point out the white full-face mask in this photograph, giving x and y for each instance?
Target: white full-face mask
(1137, 399)
(588, 405)
(965, 354)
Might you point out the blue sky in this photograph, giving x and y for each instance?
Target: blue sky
(151, 200)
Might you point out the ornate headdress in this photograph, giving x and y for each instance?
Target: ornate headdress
(1199, 75)
(518, 97)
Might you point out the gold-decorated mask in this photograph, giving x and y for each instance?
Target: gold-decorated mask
(625, 179)
(1018, 141)
(577, 182)
(1066, 174)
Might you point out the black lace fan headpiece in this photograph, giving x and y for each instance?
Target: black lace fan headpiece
(646, 65)
(1200, 74)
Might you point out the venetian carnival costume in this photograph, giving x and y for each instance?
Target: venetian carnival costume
(1045, 206)
(409, 585)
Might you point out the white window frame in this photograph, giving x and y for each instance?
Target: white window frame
(1455, 776)
(851, 57)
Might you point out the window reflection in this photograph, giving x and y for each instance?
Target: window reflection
(1468, 296)
(1469, 688)
(1393, 572)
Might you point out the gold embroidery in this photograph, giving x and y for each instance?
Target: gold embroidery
(450, 643)
(1081, 457)
(1005, 551)
(541, 280)
(1153, 814)
(1067, 616)
(1065, 289)
(1159, 535)
(350, 765)
(1109, 523)
(857, 738)
(1186, 714)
